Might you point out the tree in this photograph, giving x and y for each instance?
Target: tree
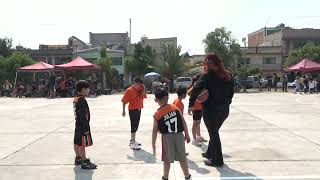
(141, 60)
(105, 62)
(309, 51)
(150, 55)
(5, 47)
(221, 42)
(3, 73)
(14, 61)
(172, 63)
(129, 65)
(245, 71)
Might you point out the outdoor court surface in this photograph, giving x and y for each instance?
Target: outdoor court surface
(267, 136)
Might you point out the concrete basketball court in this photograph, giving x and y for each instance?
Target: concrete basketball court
(267, 136)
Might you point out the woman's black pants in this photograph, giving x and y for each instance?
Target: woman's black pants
(213, 120)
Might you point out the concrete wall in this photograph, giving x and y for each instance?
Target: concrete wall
(255, 39)
(94, 54)
(257, 60)
(158, 44)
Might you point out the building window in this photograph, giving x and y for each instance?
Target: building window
(116, 61)
(269, 60)
(245, 61)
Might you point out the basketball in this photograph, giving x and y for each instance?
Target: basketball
(203, 96)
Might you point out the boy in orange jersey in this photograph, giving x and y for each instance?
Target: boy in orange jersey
(182, 94)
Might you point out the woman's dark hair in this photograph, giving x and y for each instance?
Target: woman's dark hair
(82, 84)
(213, 62)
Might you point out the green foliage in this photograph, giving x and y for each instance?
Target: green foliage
(309, 51)
(129, 65)
(105, 63)
(245, 71)
(141, 61)
(3, 73)
(172, 62)
(221, 42)
(5, 47)
(16, 60)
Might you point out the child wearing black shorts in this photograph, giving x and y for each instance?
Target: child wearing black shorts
(197, 116)
(82, 135)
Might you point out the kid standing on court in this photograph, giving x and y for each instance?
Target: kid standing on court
(182, 94)
(82, 135)
(197, 116)
(134, 95)
(169, 121)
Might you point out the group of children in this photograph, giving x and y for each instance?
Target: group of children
(168, 121)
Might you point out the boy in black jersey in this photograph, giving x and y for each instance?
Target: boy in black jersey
(170, 123)
(82, 134)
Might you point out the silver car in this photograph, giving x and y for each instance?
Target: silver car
(183, 81)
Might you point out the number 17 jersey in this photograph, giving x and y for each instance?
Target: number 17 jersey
(169, 119)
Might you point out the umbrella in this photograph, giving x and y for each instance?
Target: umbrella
(152, 74)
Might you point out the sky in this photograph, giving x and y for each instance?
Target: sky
(34, 22)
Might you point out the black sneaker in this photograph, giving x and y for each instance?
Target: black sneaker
(188, 178)
(93, 166)
(77, 161)
(205, 155)
(210, 163)
(86, 164)
(163, 178)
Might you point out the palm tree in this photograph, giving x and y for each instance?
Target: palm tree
(172, 63)
(105, 62)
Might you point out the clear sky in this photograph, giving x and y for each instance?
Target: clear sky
(34, 22)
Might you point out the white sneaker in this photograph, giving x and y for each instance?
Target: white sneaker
(201, 139)
(134, 146)
(139, 144)
(196, 143)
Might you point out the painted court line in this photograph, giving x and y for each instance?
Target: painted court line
(257, 178)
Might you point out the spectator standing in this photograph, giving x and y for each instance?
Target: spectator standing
(275, 82)
(7, 88)
(284, 83)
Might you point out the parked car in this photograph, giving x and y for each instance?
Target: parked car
(183, 81)
(291, 85)
(254, 81)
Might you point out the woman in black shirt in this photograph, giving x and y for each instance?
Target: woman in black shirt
(219, 83)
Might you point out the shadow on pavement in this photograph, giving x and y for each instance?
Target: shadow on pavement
(204, 148)
(142, 155)
(81, 174)
(226, 171)
(194, 166)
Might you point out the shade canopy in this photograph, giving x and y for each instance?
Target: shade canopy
(77, 64)
(37, 67)
(305, 66)
(152, 74)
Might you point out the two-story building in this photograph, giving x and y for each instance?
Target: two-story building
(269, 47)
